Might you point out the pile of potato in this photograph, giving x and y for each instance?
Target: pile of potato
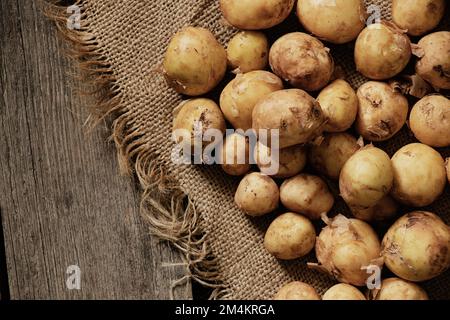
(319, 117)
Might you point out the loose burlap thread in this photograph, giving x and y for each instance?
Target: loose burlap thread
(120, 46)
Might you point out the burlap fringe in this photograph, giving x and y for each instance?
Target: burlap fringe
(168, 211)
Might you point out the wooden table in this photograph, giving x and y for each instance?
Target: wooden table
(62, 200)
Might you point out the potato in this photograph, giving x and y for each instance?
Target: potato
(293, 112)
(398, 289)
(382, 112)
(339, 104)
(235, 157)
(366, 178)
(419, 175)
(417, 246)
(306, 194)
(248, 51)
(255, 14)
(240, 96)
(290, 236)
(332, 153)
(257, 194)
(417, 16)
(434, 64)
(343, 291)
(385, 209)
(297, 291)
(382, 51)
(447, 162)
(316, 67)
(430, 121)
(337, 21)
(194, 62)
(344, 247)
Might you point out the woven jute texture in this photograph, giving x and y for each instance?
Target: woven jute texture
(121, 44)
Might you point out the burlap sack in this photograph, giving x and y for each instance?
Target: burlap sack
(120, 46)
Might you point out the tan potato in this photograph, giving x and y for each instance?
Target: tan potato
(235, 157)
(297, 291)
(430, 121)
(343, 291)
(306, 194)
(382, 112)
(447, 162)
(385, 209)
(419, 175)
(240, 96)
(332, 153)
(417, 16)
(434, 64)
(417, 246)
(248, 51)
(194, 62)
(290, 236)
(398, 289)
(296, 115)
(290, 161)
(337, 21)
(339, 104)
(257, 194)
(366, 178)
(382, 51)
(316, 67)
(255, 14)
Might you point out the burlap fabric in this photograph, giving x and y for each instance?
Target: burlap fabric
(120, 46)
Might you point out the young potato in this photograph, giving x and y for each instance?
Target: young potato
(255, 14)
(398, 289)
(417, 16)
(344, 247)
(382, 112)
(419, 175)
(293, 112)
(257, 194)
(385, 209)
(430, 121)
(417, 246)
(194, 62)
(306, 194)
(366, 178)
(332, 153)
(290, 236)
(337, 21)
(240, 96)
(248, 51)
(316, 67)
(434, 64)
(343, 291)
(297, 291)
(382, 51)
(290, 161)
(339, 104)
(235, 155)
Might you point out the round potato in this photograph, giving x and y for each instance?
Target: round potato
(235, 157)
(297, 291)
(248, 51)
(398, 289)
(343, 291)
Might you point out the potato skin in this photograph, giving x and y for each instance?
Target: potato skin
(297, 291)
(447, 167)
(317, 65)
(417, 16)
(290, 236)
(255, 14)
(343, 291)
(430, 121)
(296, 115)
(398, 289)
(381, 52)
(236, 147)
(240, 96)
(248, 51)
(417, 246)
(257, 194)
(385, 209)
(306, 194)
(194, 62)
(382, 112)
(419, 175)
(338, 23)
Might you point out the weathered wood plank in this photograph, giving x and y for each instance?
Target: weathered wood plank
(62, 200)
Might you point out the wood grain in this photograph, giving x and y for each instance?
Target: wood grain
(61, 198)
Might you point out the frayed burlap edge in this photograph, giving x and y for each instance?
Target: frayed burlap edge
(168, 212)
